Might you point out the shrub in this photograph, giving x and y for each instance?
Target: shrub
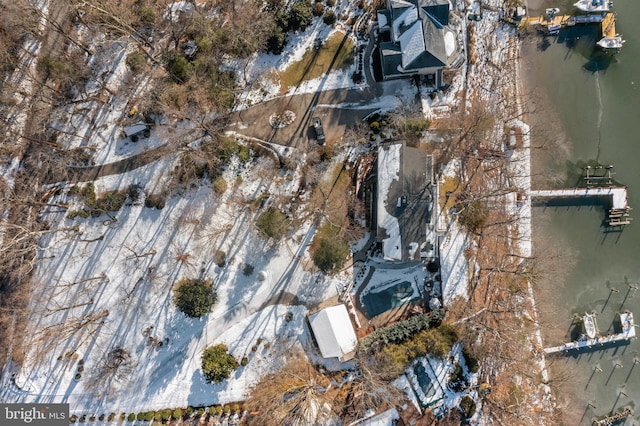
(149, 415)
(331, 254)
(221, 258)
(219, 410)
(217, 364)
(178, 67)
(123, 416)
(219, 185)
(244, 155)
(177, 413)
(472, 364)
(329, 17)
(272, 223)
(154, 201)
(227, 409)
(331, 3)
(136, 61)
(140, 416)
(101, 417)
(92, 418)
(200, 411)
(244, 361)
(288, 316)
(189, 411)
(299, 16)
(157, 416)
(77, 376)
(131, 417)
(166, 415)
(318, 9)
(473, 216)
(458, 381)
(400, 331)
(73, 418)
(83, 418)
(248, 269)
(467, 406)
(195, 297)
(111, 417)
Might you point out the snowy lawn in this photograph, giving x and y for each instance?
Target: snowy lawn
(107, 284)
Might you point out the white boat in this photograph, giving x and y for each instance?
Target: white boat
(611, 42)
(590, 327)
(552, 11)
(593, 6)
(553, 29)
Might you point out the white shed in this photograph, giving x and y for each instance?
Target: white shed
(334, 333)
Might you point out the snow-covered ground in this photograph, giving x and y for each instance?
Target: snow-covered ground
(258, 74)
(117, 277)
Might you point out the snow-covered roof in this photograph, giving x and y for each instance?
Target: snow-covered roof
(449, 43)
(388, 172)
(407, 17)
(334, 332)
(412, 43)
(383, 18)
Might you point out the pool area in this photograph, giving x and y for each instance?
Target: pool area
(393, 296)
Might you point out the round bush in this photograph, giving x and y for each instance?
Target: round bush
(131, 417)
(195, 297)
(272, 223)
(329, 17)
(244, 361)
(217, 364)
(331, 255)
(318, 9)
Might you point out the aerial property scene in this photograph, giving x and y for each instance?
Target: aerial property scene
(298, 213)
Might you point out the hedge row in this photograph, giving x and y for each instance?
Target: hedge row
(401, 331)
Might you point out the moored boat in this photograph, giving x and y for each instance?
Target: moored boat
(552, 11)
(594, 6)
(611, 42)
(590, 327)
(553, 29)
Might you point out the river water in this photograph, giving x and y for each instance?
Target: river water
(585, 107)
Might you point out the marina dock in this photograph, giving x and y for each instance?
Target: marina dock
(628, 332)
(554, 22)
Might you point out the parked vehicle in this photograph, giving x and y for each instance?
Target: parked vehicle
(317, 126)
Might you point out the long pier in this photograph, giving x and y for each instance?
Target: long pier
(619, 212)
(618, 194)
(628, 333)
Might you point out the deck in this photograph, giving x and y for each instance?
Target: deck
(628, 333)
(617, 194)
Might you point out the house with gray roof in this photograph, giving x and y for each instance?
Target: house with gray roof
(415, 39)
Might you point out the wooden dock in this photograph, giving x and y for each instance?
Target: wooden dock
(607, 20)
(618, 194)
(619, 212)
(628, 332)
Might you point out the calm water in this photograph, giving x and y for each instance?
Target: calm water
(588, 108)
